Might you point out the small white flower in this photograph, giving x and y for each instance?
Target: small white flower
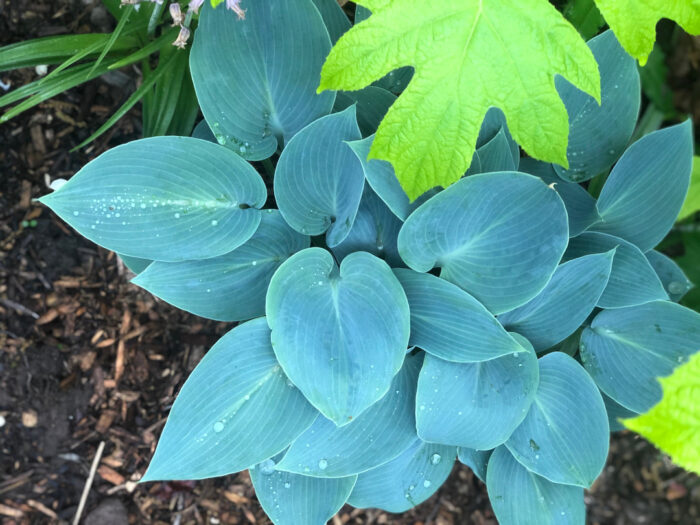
(234, 6)
(182, 38)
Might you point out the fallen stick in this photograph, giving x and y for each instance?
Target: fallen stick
(88, 482)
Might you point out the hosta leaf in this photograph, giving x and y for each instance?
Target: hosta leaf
(673, 424)
(378, 435)
(517, 495)
(291, 499)
(625, 350)
(229, 287)
(564, 304)
(496, 154)
(449, 323)
(475, 460)
(564, 437)
(616, 412)
(632, 279)
(691, 205)
(406, 481)
(456, 402)
(164, 198)
(340, 334)
(634, 22)
(499, 236)
(380, 176)
(674, 280)
(257, 90)
(372, 104)
(599, 133)
(334, 17)
(375, 231)
(236, 409)
(645, 190)
(580, 205)
(318, 180)
(135, 264)
(429, 135)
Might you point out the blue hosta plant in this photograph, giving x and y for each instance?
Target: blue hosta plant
(508, 320)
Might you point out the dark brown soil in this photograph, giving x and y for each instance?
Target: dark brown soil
(86, 357)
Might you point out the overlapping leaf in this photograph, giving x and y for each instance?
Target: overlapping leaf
(464, 64)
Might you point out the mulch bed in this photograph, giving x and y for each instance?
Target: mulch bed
(88, 358)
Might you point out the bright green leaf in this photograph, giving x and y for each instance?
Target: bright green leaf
(674, 423)
(692, 200)
(468, 56)
(634, 22)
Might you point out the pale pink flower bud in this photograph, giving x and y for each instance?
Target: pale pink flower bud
(176, 14)
(182, 38)
(195, 5)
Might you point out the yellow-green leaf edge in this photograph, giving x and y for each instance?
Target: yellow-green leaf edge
(692, 200)
(634, 22)
(429, 135)
(673, 424)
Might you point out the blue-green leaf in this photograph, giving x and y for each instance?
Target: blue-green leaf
(319, 181)
(645, 190)
(256, 78)
(135, 264)
(632, 279)
(475, 405)
(380, 175)
(236, 409)
(564, 304)
(375, 231)
(449, 323)
(406, 481)
(475, 460)
(616, 412)
(496, 154)
(377, 436)
(164, 198)
(334, 18)
(564, 437)
(674, 280)
(202, 131)
(229, 287)
(372, 104)
(580, 205)
(625, 350)
(521, 497)
(499, 236)
(292, 499)
(494, 123)
(599, 133)
(340, 334)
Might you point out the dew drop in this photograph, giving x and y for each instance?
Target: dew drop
(435, 459)
(143, 205)
(214, 222)
(177, 215)
(76, 213)
(323, 464)
(267, 467)
(427, 483)
(287, 485)
(218, 426)
(675, 287)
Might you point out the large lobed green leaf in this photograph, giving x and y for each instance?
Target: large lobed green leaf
(468, 55)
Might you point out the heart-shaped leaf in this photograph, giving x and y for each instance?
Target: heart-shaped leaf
(625, 350)
(236, 409)
(164, 198)
(256, 78)
(372, 104)
(406, 481)
(340, 334)
(378, 435)
(499, 236)
(449, 323)
(230, 287)
(564, 437)
(319, 181)
(477, 460)
(334, 17)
